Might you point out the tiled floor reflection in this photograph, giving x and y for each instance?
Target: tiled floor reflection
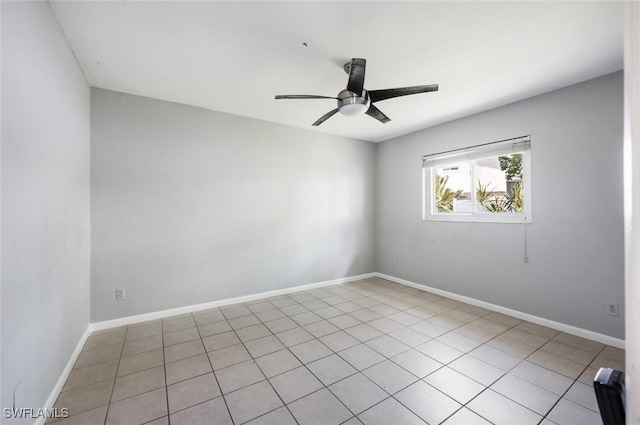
(366, 352)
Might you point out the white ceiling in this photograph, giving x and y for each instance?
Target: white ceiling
(236, 56)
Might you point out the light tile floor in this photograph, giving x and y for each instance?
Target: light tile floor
(367, 352)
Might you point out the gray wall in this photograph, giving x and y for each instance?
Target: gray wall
(190, 206)
(45, 203)
(575, 240)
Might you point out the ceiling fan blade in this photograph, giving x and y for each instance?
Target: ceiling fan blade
(303, 96)
(377, 114)
(356, 75)
(325, 117)
(378, 95)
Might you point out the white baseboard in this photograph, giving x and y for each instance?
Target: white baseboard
(65, 374)
(563, 327)
(197, 307)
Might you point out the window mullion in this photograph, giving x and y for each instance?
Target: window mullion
(472, 194)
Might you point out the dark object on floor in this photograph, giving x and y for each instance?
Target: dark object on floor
(609, 387)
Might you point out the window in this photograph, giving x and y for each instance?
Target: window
(490, 182)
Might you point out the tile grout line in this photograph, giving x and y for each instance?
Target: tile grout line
(119, 359)
(113, 388)
(523, 360)
(572, 384)
(386, 359)
(388, 396)
(462, 405)
(286, 405)
(164, 367)
(488, 387)
(443, 365)
(253, 359)
(189, 357)
(185, 358)
(311, 372)
(213, 369)
(505, 372)
(337, 353)
(358, 371)
(322, 383)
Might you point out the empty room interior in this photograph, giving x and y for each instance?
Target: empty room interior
(324, 213)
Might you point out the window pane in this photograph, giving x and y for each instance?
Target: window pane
(452, 188)
(499, 185)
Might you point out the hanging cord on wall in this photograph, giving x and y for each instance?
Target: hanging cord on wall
(525, 258)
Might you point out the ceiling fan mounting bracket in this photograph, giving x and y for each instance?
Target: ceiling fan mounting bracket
(347, 67)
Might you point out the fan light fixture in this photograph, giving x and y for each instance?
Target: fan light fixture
(351, 104)
(354, 109)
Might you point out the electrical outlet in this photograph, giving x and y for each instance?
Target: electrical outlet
(119, 294)
(612, 309)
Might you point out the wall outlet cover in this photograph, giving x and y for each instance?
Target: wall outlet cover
(119, 294)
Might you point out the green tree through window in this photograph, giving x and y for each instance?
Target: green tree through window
(444, 195)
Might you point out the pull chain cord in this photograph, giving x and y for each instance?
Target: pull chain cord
(525, 258)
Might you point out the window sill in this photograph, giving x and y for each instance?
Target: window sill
(511, 219)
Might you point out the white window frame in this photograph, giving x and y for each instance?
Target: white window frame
(471, 154)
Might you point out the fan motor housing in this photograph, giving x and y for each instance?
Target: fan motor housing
(350, 103)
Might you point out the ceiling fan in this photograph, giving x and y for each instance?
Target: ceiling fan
(355, 100)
